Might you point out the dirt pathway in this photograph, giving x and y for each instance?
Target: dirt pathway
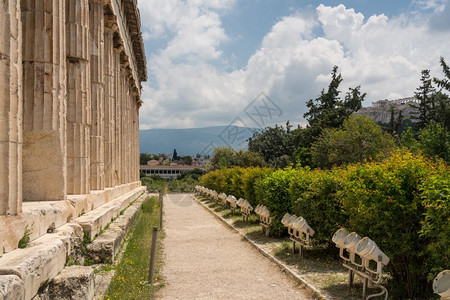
(206, 260)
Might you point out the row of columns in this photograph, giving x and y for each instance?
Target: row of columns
(68, 112)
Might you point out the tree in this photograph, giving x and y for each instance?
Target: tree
(227, 157)
(434, 141)
(328, 110)
(187, 160)
(425, 94)
(442, 110)
(358, 140)
(273, 143)
(145, 157)
(444, 83)
(175, 155)
(395, 123)
(249, 159)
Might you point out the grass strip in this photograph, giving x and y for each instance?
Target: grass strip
(130, 280)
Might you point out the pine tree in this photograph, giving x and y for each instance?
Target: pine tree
(425, 95)
(175, 154)
(328, 110)
(444, 83)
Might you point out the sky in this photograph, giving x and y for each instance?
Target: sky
(256, 63)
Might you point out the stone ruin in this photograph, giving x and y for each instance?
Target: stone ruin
(70, 92)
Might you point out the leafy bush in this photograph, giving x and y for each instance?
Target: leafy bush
(436, 225)
(315, 198)
(383, 202)
(273, 192)
(402, 203)
(250, 177)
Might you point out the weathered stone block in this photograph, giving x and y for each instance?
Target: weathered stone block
(42, 260)
(73, 283)
(95, 220)
(11, 287)
(105, 247)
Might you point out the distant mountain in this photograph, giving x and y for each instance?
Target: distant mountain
(194, 140)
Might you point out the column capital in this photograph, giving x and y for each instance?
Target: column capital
(111, 23)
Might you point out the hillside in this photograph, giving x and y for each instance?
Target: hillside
(380, 111)
(192, 140)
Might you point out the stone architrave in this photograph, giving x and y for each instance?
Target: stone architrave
(10, 108)
(78, 97)
(97, 48)
(44, 98)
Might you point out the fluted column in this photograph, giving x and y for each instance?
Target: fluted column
(78, 96)
(96, 25)
(136, 140)
(110, 102)
(44, 96)
(10, 108)
(118, 119)
(123, 111)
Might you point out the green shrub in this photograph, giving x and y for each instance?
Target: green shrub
(383, 202)
(250, 178)
(273, 192)
(436, 226)
(314, 195)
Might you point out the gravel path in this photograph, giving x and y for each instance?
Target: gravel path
(206, 260)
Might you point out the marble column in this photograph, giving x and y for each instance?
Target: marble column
(118, 120)
(123, 102)
(136, 140)
(97, 35)
(11, 107)
(44, 97)
(110, 103)
(78, 96)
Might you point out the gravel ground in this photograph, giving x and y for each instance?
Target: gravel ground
(205, 260)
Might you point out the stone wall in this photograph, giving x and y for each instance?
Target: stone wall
(70, 92)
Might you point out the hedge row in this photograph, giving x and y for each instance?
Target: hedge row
(402, 203)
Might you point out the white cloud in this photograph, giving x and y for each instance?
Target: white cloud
(292, 65)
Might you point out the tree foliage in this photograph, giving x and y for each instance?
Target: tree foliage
(226, 157)
(328, 110)
(145, 157)
(425, 94)
(358, 140)
(274, 144)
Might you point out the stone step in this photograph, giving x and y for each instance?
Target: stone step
(24, 271)
(105, 246)
(39, 218)
(73, 283)
(96, 220)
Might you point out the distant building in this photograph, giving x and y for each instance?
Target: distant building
(153, 162)
(167, 172)
(380, 111)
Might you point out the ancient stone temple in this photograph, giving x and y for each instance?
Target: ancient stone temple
(70, 92)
